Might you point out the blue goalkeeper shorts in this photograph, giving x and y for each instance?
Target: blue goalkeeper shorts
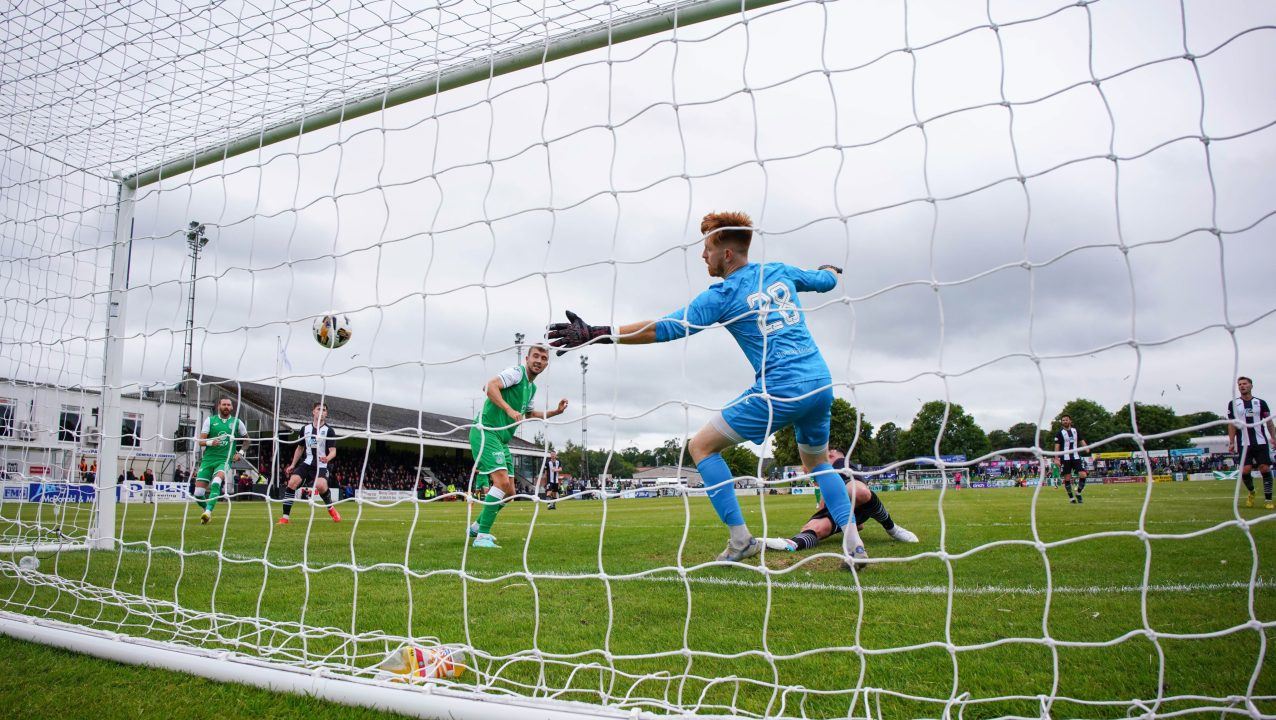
(754, 415)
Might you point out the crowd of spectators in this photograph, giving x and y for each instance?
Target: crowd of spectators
(373, 472)
(1161, 466)
(450, 471)
(400, 472)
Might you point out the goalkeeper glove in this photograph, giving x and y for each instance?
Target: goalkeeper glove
(834, 268)
(576, 332)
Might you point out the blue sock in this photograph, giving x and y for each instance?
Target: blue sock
(714, 470)
(833, 489)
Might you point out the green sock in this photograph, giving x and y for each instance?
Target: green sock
(488, 516)
(214, 490)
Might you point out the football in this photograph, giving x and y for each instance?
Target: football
(332, 331)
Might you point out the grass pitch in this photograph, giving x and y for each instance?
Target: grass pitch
(588, 599)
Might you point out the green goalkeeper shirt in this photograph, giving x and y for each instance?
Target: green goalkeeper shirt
(225, 429)
(517, 390)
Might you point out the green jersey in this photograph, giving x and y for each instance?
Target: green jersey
(518, 390)
(225, 430)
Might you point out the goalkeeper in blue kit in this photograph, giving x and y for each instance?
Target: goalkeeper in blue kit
(758, 305)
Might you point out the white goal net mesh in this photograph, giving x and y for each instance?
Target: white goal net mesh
(1032, 202)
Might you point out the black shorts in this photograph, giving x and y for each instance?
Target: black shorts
(552, 488)
(1255, 455)
(1072, 467)
(309, 474)
(823, 514)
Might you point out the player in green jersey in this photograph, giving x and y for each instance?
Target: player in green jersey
(509, 401)
(217, 437)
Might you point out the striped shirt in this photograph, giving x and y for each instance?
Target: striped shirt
(316, 441)
(1067, 439)
(1250, 419)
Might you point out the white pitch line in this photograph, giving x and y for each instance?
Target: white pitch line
(782, 584)
(939, 589)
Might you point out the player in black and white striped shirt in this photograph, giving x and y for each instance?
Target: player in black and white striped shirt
(1067, 440)
(1252, 424)
(552, 488)
(309, 464)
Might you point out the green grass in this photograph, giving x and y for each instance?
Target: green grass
(592, 637)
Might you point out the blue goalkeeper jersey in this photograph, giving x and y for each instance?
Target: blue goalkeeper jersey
(759, 306)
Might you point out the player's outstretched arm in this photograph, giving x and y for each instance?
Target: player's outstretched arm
(821, 279)
(562, 408)
(705, 310)
(576, 332)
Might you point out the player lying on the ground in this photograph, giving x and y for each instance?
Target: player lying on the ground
(319, 446)
(509, 400)
(820, 526)
(759, 306)
(217, 437)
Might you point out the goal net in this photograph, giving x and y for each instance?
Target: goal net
(1038, 208)
(925, 479)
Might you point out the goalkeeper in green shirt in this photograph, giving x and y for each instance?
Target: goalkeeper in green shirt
(509, 402)
(217, 437)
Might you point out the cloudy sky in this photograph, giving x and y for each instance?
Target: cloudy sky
(444, 226)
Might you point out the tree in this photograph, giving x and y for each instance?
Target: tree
(1200, 418)
(742, 461)
(569, 456)
(1153, 420)
(669, 453)
(852, 433)
(635, 456)
(1000, 440)
(889, 441)
(962, 435)
(1025, 434)
(784, 447)
(841, 436)
(613, 464)
(599, 462)
(1092, 421)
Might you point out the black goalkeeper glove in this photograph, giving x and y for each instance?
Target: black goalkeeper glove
(576, 332)
(834, 268)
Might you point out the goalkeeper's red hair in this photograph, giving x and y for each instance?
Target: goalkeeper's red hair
(726, 241)
(729, 228)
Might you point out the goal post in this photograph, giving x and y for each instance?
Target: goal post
(112, 382)
(926, 479)
(661, 18)
(402, 699)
